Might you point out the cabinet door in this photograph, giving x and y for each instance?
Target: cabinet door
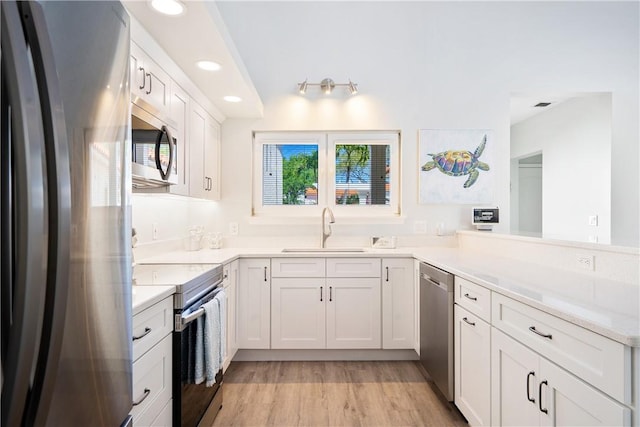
(514, 382)
(571, 402)
(136, 71)
(398, 315)
(204, 154)
(232, 310)
(254, 305)
(157, 86)
(353, 313)
(472, 361)
(197, 132)
(180, 115)
(298, 313)
(211, 158)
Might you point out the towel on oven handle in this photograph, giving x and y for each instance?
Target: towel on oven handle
(210, 343)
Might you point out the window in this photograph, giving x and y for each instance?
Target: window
(354, 173)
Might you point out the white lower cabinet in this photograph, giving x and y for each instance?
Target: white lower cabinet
(312, 307)
(152, 368)
(398, 309)
(230, 284)
(472, 361)
(527, 389)
(254, 303)
(353, 313)
(298, 314)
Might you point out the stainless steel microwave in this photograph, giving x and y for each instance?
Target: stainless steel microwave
(153, 151)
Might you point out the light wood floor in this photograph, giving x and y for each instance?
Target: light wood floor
(332, 394)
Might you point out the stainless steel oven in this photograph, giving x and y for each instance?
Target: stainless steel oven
(153, 150)
(193, 404)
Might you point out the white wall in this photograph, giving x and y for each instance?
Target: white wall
(429, 65)
(172, 214)
(575, 141)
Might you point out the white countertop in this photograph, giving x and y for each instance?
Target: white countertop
(603, 306)
(144, 297)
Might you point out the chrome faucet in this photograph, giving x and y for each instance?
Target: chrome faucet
(332, 220)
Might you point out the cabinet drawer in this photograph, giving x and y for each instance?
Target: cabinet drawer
(150, 325)
(602, 362)
(353, 267)
(165, 417)
(152, 377)
(297, 267)
(474, 298)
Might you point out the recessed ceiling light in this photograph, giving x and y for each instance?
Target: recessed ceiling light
(208, 65)
(231, 98)
(168, 7)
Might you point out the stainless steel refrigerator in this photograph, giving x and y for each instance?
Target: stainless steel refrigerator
(65, 180)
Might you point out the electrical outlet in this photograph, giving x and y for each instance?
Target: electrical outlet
(233, 228)
(420, 227)
(154, 231)
(593, 220)
(586, 262)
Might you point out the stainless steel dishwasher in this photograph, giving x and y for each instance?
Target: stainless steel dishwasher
(436, 326)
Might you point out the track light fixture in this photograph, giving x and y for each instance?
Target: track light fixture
(327, 86)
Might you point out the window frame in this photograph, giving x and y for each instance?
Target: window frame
(326, 142)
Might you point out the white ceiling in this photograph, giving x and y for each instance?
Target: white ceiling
(523, 104)
(199, 34)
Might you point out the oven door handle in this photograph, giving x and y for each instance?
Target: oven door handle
(185, 320)
(181, 321)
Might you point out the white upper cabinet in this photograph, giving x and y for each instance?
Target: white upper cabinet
(179, 109)
(204, 152)
(150, 84)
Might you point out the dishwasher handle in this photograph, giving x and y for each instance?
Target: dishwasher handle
(444, 278)
(430, 281)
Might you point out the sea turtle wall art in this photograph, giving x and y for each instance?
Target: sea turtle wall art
(459, 162)
(454, 166)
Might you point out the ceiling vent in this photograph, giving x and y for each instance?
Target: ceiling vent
(542, 104)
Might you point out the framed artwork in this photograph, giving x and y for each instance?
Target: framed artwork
(455, 166)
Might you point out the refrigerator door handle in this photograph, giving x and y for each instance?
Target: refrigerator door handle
(27, 199)
(59, 212)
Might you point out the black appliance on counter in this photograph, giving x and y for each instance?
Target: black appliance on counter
(193, 404)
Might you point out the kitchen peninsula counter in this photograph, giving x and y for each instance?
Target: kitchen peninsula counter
(607, 307)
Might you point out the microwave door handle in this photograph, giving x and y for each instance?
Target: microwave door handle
(165, 174)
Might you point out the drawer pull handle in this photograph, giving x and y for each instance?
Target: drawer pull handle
(470, 297)
(467, 321)
(146, 394)
(144, 334)
(320, 293)
(265, 273)
(387, 273)
(535, 331)
(330, 293)
(540, 397)
(529, 375)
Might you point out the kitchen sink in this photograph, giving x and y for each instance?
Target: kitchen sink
(350, 250)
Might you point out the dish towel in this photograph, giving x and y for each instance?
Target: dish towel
(214, 326)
